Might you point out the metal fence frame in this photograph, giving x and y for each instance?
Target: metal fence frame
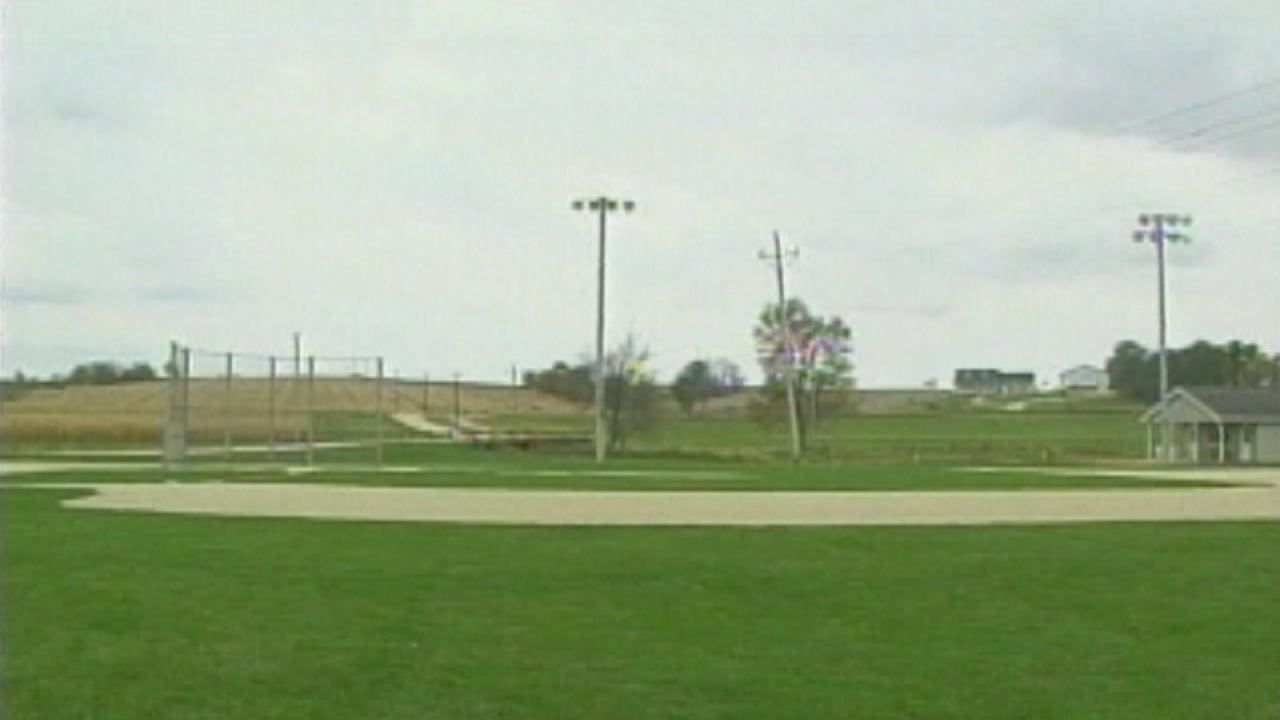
(177, 442)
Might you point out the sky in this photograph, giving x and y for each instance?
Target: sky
(960, 180)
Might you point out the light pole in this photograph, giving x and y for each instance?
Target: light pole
(1155, 228)
(602, 205)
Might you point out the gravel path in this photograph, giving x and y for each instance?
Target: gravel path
(539, 507)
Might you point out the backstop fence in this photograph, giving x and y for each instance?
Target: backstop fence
(246, 407)
(228, 404)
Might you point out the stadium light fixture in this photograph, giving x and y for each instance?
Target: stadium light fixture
(1156, 228)
(602, 205)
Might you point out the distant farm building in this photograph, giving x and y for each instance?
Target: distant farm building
(1223, 425)
(1085, 377)
(994, 382)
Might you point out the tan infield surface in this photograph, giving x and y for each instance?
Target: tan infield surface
(1258, 501)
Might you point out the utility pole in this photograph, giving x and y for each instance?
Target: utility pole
(602, 205)
(778, 258)
(1154, 228)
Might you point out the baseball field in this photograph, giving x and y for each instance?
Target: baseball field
(895, 575)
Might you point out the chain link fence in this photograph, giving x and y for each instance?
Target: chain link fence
(228, 404)
(237, 407)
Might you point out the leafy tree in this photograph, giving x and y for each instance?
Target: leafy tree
(702, 380)
(138, 372)
(817, 348)
(1130, 370)
(572, 383)
(1201, 363)
(99, 372)
(1135, 370)
(102, 372)
(1262, 371)
(1247, 365)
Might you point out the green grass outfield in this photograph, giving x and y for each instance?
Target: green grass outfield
(968, 436)
(116, 615)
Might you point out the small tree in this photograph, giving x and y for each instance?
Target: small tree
(630, 398)
(572, 383)
(138, 372)
(99, 372)
(702, 380)
(817, 350)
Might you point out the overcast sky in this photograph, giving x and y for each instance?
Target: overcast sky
(961, 179)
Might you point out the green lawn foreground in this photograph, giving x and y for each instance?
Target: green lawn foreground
(137, 616)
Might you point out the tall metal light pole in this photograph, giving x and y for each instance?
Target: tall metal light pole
(602, 205)
(1155, 228)
(777, 258)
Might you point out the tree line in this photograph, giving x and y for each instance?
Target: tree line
(97, 372)
(816, 349)
(1135, 370)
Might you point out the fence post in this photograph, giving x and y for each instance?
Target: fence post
(226, 412)
(172, 426)
(426, 392)
(515, 392)
(311, 400)
(457, 404)
(271, 408)
(186, 398)
(378, 400)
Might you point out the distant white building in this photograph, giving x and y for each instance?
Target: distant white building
(1085, 377)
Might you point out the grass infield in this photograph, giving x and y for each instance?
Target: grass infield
(129, 616)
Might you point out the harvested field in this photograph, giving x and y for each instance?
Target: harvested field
(135, 412)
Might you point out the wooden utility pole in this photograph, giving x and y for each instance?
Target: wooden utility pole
(778, 259)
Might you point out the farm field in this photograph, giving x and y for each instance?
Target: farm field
(134, 413)
(118, 615)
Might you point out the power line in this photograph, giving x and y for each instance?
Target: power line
(1197, 106)
(1207, 129)
(1232, 136)
(1211, 128)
